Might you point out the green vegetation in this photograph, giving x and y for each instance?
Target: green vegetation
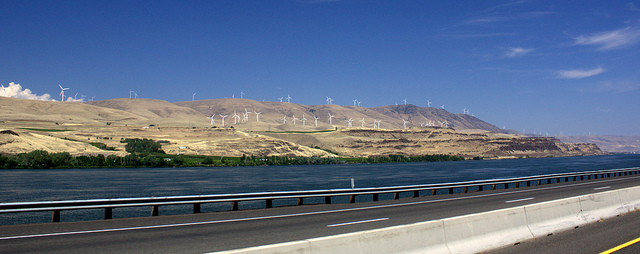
(143, 146)
(43, 160)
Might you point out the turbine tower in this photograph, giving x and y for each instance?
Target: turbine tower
(330, 116)
(193, 97)
(131, 93)
(350, 122)
(212, 119)
(223, 116)
(61, 91)
(355, 102)
(329, 100)
(284, 120)
(257, 116)
(428, 103)
(280, 99)
(288, 98)
(315, 117)
(241, 94)
(362, 121)
(404, 123)
(294, 120)
(236, 117)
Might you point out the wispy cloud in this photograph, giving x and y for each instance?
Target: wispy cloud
(611, 39)
(615, 86)
(517, 52)
(577, 74)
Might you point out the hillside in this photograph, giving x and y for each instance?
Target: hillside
(184, 128)
(614, 144)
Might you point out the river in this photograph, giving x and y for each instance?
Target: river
(78, 184)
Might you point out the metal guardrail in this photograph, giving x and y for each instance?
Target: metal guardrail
(196, 200)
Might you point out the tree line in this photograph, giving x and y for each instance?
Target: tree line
(40, 159)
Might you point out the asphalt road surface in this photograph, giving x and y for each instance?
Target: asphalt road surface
(207, 232)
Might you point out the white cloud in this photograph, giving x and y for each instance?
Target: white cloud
(16, 91)
(611, 39)
(576, 74)
(517, 52)
(617, 86)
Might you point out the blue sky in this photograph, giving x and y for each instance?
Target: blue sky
(562, 67)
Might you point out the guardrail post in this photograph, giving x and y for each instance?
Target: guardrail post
(268, 203)
(528, 183)
(234, 206)
(155, 210)
(450, 190)
(108, 213)
(506, 185)
(464, 190)
(55, 216)
(566, 179)
(493, 187)
(327, 200)
(196, 208)
(300, 201)
(416, 193)
(375, 197)
(352, 199)
(396, 195)
(517, 184)
(558, 180)
(539, 182)
(479, 187)
(433, 192)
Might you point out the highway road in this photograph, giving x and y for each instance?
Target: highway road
(207, 232)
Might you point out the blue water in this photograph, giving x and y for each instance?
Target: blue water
(78, 184)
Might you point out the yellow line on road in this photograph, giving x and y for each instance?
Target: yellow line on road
(617, 248)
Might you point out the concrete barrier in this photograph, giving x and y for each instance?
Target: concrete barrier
(470, 233)
(554, 216)
(477, 232)
(602, 205)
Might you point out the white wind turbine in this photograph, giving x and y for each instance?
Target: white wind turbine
(92, 98)
(350, 122)
(359, 103)
(246, 115)
(428, 103)
(212, 119)
(193, 97)
(236, 117)
(61, 91)
(304, 120)
(404, 123)
(241, 94)
(330, 116)
(3, 93)
(379, 121)
(131, 93)
(284, 119)
(355, 102)
(329, 100)
(223, 116)
(280, 99)
(288, 98)
(362, 121)
(257, 116)
(442, 106)
(405, 101)
(316, 118)
(294, 120)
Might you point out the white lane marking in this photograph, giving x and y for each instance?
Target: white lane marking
(305, 214)
(602, 188)
(356, 222)
(518, 200)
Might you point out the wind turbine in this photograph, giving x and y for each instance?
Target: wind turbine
(241, 94)
(236, 117)
(404, 123)
(130, 93)
(61, 91)
(304, 120)
(288, 98)
(359, 103)
(212, 119)
(330, 116)
(329, 100)
(315, 117)
(362, 121)
(3, 93)
(223, 116)
(379, 121)
(135, 95)
(442, 106)
(428, 103)
(405, 101)
(294, 120)
(92, 98)
(349, 122)
(284, 120)
(355, 102)
(280, 99)
(193, 97)
(246, 115)
(257, 116)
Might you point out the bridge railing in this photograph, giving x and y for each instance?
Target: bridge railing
(268, 197)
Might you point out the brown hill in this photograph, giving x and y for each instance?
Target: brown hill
(156, 112)
(614, 144)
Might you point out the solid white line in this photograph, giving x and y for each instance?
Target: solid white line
(304, 214)
(602, 188)
(518, 200)
(356, 222)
